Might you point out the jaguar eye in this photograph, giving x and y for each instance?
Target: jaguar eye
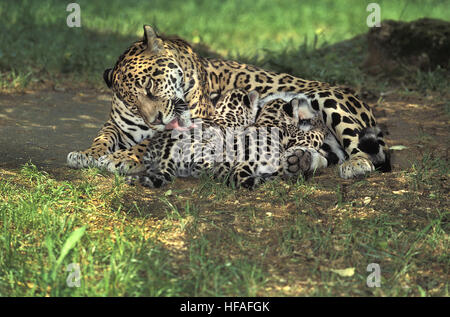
(150, 96)
(147, 83)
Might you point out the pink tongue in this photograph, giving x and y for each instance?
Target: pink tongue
(174, 124)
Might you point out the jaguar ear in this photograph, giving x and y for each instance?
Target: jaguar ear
(107, 77)
(151, 39)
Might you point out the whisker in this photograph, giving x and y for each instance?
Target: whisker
(180, 106)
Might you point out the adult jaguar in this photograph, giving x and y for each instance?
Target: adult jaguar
(242, 144)
(165, 74)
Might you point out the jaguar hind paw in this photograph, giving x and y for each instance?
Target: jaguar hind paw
(355, 167)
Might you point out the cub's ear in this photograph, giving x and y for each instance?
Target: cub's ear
(151, 39)
(305, 110)
(253, 96)
(290, 106)
(251, 99)
(107, 77)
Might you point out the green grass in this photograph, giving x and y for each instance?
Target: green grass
(426, 169)
(176, 242)
(37, 44)
(38, 217)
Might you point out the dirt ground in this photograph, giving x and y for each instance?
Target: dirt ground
(44, 126)
(416, 122)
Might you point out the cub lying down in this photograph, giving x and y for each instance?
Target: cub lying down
(244, 144)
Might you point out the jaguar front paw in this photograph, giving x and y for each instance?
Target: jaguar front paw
(117, 163)
(80, 160)
(355, 167)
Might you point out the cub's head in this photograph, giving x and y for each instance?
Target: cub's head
(148, 81)
(236, 107)
(281, 113)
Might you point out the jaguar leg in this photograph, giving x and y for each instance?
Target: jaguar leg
(108, 152)
(104, 143)
(354, 127)
(126, 161)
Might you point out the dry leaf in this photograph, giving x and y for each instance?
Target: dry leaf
(344, 272)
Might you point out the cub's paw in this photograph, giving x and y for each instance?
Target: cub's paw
(301, 160)
(250, 183)
(80, 160)
(119, 163)
(132, 180)
(355, 167)
(296, 161)
(149, 180)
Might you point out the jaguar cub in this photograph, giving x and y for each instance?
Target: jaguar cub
(244, 143)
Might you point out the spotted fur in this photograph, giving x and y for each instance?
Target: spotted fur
(166, 75)
(247, 159)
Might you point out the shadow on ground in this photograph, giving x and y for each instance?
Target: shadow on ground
(43, 127)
